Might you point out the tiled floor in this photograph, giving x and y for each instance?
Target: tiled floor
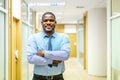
(74, 72)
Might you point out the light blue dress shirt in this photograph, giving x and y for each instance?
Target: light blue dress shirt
(60, 51)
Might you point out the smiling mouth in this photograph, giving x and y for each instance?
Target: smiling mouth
(48, 28)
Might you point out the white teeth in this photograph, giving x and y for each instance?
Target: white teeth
(48, 29)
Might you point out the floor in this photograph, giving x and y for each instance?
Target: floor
(74, 72)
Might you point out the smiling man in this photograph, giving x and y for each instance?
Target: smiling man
(48, 50)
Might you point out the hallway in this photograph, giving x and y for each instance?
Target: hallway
(93, 27)
(74, 72)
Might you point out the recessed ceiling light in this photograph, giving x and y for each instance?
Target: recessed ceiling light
(48, 4)
(79, 6)
(58, 17)
(56, 13)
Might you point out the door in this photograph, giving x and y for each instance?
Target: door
(72, 37)
(14, 40)
(14, 50)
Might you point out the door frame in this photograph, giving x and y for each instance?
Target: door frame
(14, 43)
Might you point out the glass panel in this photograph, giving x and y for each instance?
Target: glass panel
(39, 23)
(30, 74)
(115, 7)
(24, 12)
(2, 53)
(31, 31)
(80, 46)
(115, 74)
(27, 70)
(2, 3)
(116, 48)
(31, 17)
(24, 56)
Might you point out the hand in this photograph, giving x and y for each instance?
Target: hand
(56, 61)
(40, 53)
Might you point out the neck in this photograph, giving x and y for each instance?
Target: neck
(49, 33)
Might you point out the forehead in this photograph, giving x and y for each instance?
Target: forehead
(48, 16)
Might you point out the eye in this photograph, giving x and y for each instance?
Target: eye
(52, 20)
(44, 20)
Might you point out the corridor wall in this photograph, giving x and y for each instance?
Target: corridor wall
(97, 42)
(3, 40)
(2, 46)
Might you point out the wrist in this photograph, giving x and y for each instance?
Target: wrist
(40, 53)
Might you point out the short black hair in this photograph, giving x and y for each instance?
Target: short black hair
(48, 13)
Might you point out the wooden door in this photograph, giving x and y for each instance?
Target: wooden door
(72, 37)
(14, 50)
(14, 42)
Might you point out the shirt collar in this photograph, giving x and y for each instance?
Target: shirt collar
(45, 35)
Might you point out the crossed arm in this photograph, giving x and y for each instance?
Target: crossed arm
(44, 57)
(41, 53)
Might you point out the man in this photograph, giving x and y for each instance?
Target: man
(48, 50)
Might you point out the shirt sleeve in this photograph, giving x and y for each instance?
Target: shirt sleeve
(63, 53)
(32, 56)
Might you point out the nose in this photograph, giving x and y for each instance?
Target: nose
(48, 22)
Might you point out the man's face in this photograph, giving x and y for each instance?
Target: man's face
(48, 23)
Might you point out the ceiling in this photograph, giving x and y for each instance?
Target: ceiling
(68, 11)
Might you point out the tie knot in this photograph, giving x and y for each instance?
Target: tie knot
(50, 36)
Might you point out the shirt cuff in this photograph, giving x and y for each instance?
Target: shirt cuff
(47, 54)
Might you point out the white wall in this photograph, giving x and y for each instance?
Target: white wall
(97, 42)
(69, 28)
(108, 40)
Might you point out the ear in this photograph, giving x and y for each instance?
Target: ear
(41, 22)
(55, 22)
